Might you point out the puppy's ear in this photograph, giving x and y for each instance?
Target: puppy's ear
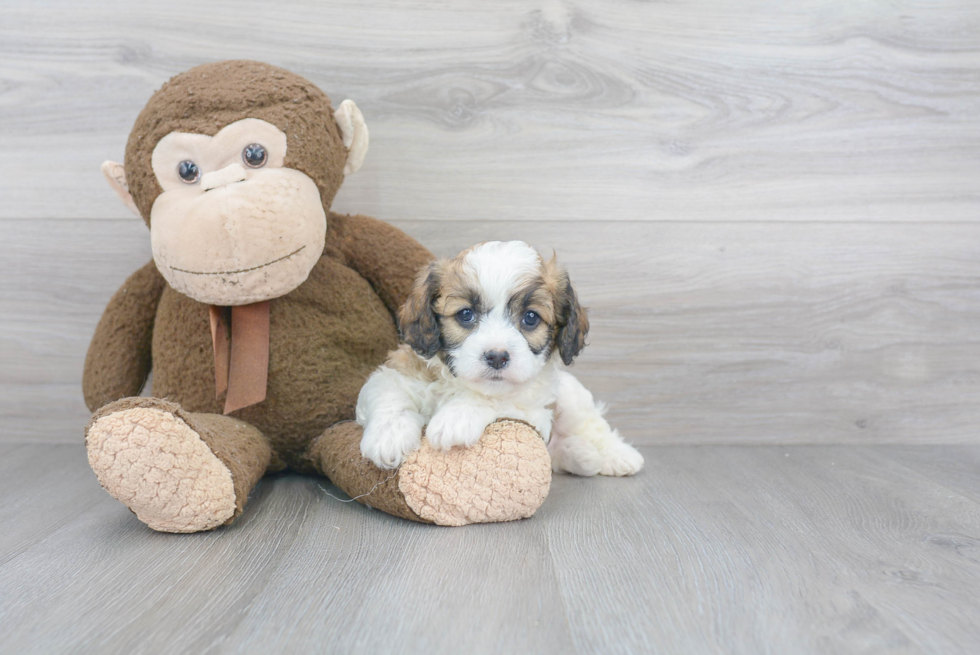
(417, 320)
(573, 323)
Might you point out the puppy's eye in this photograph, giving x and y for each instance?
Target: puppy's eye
(188, 171)
(254, 155)
(465, 316)
(530, 320)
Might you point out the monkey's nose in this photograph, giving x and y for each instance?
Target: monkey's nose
(497, 359)
(227, 175)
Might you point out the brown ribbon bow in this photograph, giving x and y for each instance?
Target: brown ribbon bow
(240, 336)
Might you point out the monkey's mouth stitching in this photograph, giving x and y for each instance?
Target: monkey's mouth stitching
(244, 270)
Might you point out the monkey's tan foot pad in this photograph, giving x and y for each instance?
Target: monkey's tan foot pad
(505, 476)
(157, 465)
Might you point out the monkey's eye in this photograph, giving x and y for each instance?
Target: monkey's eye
(188, 171)
(465, 316)
(254, 155)
(530, 320)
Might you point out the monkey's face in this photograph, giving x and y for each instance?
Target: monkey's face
(235, 219)
(234, 226)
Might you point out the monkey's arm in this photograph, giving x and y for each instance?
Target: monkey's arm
(119, 356)
(384, 255)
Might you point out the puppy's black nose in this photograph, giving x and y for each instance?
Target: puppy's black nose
(497, 358)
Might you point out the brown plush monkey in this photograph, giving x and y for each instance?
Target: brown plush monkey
(261, 315)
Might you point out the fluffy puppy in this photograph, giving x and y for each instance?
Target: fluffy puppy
(486, 336)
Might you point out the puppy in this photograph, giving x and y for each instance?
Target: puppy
(486, 336)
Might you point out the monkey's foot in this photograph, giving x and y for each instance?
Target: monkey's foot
(504, 477)
(158, 465)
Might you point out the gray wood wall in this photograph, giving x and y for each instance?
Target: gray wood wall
(773, 209)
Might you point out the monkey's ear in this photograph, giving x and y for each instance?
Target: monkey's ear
(574, 324)
(115, 174)
(355, 133)
(417, 320)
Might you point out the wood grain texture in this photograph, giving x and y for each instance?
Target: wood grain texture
(586, 110)
(772, 211)
(701, 333)
(801, 549)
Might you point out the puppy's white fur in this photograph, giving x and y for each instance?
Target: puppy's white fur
(454, 393)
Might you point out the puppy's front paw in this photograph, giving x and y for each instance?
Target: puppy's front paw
(389, 440)
(455, 426)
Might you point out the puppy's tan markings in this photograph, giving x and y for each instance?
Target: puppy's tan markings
(535, 297)
(404, 360)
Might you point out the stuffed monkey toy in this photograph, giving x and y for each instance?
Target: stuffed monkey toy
(261, 316)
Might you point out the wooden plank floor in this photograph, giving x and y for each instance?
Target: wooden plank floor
(772, 209)
(735, 549)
